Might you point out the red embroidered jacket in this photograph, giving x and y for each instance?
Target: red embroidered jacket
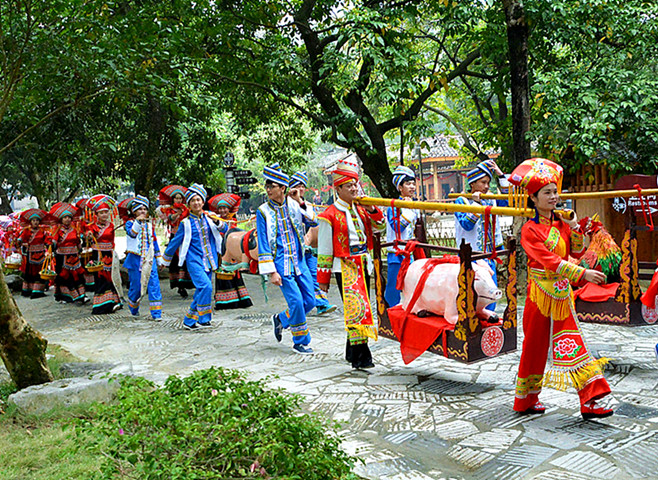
(104, 237)
(67, 241)
(337, 221)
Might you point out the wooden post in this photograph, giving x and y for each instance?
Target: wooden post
(380, 281)
(510, 315)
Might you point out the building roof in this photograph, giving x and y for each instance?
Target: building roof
(440, 146)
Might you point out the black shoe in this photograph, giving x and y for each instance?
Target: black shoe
(278, 327)
(361, 356)
(182, 292)
(204, 325)
(362, 366)
(194, 326)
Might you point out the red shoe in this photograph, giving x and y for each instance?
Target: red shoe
(536, 408)
(594, 411)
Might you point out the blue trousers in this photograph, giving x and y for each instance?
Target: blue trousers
(153, 290)
(321, 299)
(298, 292)
(392, 294)
(201, 307)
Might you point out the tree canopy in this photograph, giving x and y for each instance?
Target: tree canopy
(151, 92)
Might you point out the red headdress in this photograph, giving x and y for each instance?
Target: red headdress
(101, 202)
(535, 173)
(229, 200)
(64, 209)
(124, 211)
(166, 195)
(44, 217)
(346, 171)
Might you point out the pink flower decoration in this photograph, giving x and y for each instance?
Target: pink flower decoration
(566, 346)
(561, 285)
(213, 392)
(254, 466)
(121, 431)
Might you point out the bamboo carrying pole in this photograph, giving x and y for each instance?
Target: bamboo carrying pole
(569, 196)
(447, 207)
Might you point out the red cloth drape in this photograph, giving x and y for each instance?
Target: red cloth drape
(596, 293)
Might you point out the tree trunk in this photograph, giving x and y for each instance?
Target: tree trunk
(22, 348)
(5, 204)
(375, 165)
(517, 40)
(155, 127)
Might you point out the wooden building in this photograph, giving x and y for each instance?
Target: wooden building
(440, 176)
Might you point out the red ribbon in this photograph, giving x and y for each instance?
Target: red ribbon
(487, 218)
(645, 207)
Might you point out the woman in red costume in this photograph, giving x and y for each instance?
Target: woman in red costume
(70, 280)
(172, 211)
(34, 240)
(106, 298)
(549, 317)
(229, 293)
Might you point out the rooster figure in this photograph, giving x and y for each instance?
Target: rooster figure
(603, 253)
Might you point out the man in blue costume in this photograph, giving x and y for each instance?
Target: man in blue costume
(280, 225)
(198, 238)
(141, 238)
(400, 224)
(470, 227)
(299, 181)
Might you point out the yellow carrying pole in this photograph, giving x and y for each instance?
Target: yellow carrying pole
(570, 196)
(446, 207)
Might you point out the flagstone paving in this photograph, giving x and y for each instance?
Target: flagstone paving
(431, 419)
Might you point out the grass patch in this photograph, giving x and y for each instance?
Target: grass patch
(56, 356)
(212, 424)
(43, 447)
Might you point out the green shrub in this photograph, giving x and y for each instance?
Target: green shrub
(214, 424)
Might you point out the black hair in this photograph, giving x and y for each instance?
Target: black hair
(270, 182)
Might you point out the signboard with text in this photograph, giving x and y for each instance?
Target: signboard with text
(636, 204)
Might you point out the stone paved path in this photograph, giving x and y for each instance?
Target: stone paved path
(432, 419)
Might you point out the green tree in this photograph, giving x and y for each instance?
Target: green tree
(594, 82)
(360, 71)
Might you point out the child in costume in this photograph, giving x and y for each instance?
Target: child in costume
(549, 317)
(280, 226)
(345, 236)
(172, 215)
(142, 251)
(197, 241)
(400, 224)
(471, 227)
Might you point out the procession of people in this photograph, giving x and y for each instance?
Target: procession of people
(301, 246)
